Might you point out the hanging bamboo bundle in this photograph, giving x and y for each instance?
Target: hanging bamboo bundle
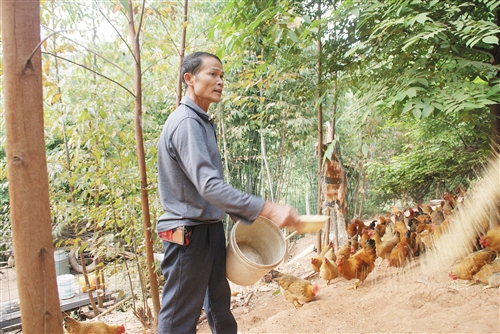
(333, 184)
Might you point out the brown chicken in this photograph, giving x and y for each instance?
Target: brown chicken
(365, 235)
(425, 209)
(437, 215)
(427, 240)
(358, 265)
(384, 247)
(398, 213)
(400, 226)
(486, 271)
(73, 326)
(413, 224)
(472, 263)
(360, 225)
(382, 225)
(409, 214)
(439, 230)
(352, 229)
(424, 219)
(492, 239)
(425, 227)
(328, 270)
(493, 280)
(317, 260)
(451, 202)
(296, 290)
(354, 244)
(330, 254)
(345, 250)
(415, 244)
(447, 209)
(400, 254)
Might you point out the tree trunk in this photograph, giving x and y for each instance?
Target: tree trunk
(97, 227)
(181, 52)
(320, 130)
(141, 158)
(27, 168)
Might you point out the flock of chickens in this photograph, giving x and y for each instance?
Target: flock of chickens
(398, 237)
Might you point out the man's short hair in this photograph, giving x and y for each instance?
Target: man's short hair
(192, 63)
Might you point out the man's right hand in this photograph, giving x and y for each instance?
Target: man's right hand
(282, 215)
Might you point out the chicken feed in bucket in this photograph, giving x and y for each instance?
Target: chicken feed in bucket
(312, 223)
(253, 250)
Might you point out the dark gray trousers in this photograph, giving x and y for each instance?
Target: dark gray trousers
(195, 276)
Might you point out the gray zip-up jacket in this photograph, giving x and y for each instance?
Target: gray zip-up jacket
(190, 176)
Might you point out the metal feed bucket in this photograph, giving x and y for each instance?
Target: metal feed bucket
(253, 250)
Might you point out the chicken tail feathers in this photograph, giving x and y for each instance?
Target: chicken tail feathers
(70, 324)
(371, 243)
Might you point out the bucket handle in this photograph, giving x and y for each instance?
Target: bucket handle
(291, 235)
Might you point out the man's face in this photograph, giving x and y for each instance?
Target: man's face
(206, 86)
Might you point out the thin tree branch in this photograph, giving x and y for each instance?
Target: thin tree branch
(119, 35)
(153, 64)
(28, 61)
(131, 28)
(141, 17)
(91, 70)
(167, 32)
(100, 56)
(490, 53)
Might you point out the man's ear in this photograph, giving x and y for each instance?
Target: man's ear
(188, 78)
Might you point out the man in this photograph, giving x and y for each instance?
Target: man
(195, 198)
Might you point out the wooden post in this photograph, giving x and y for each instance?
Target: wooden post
(27, 168)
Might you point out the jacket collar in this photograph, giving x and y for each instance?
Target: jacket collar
(193, 106)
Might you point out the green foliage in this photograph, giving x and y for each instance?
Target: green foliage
(91, 148)
(92, 162)
(427, 75)
(269, 71)
(408, 83)
(425, 66)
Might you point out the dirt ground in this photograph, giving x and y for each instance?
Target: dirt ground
(387, 302)
(420, 300)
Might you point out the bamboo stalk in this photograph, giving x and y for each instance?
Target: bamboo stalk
(114, 306)
(87, 283)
